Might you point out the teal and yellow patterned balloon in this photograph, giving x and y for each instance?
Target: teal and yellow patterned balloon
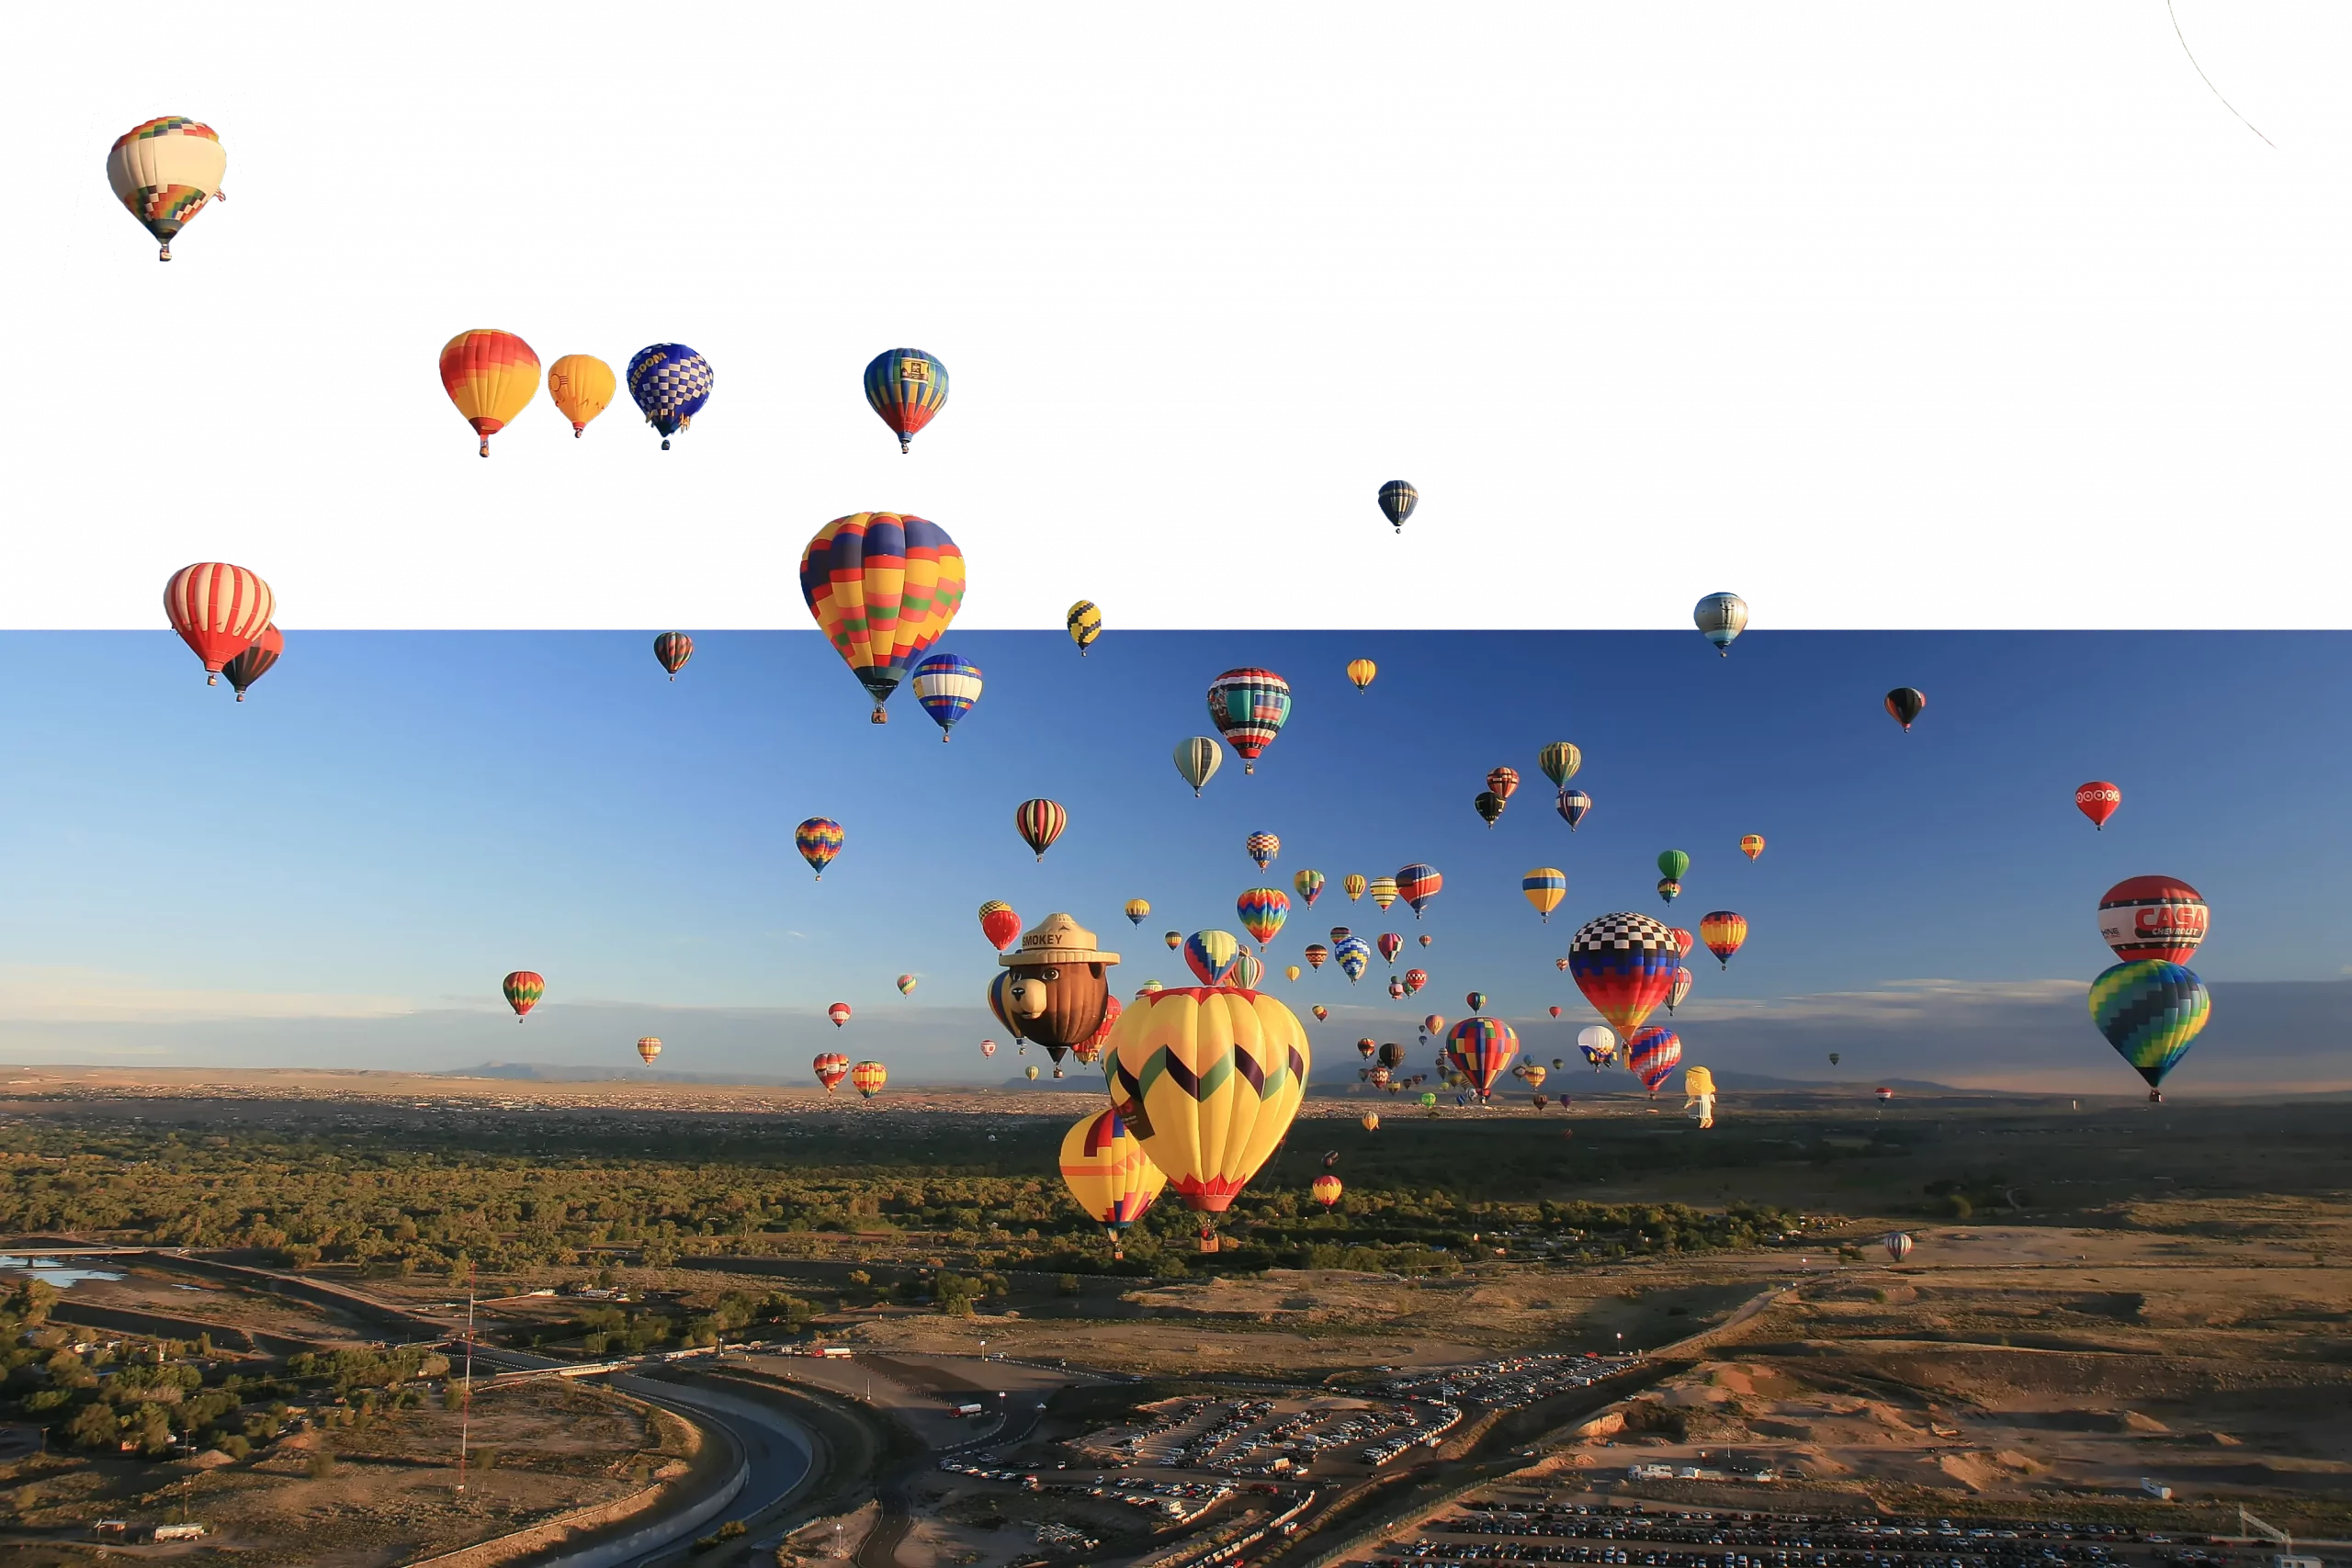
(2149, 1011)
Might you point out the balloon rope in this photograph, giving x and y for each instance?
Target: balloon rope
(2209, 83)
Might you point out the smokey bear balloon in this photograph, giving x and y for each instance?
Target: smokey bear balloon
(1061, 986)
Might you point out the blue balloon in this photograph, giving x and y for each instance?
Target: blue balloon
(670, 382)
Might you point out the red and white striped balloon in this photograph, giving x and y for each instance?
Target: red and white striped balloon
(219, 610)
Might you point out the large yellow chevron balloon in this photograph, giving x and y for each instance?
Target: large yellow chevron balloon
(1207, 1079)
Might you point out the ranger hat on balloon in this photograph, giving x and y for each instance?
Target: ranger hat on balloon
(1060, 987)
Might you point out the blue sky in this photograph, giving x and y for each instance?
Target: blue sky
(392, 821)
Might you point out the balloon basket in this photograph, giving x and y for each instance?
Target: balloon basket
(880, 717)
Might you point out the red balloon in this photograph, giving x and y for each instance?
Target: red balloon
(1556, 1012)
(1000, 924)
(256, 662)
(839, 1013)
(2097, 801)
(2152, 916)
(219, 610)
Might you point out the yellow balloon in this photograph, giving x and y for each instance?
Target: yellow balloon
(1362, 671)
(1207, 1079)
(1355, 885)
(582, 386)
(1291, 974)
(1107, 1172)
(1138, 908)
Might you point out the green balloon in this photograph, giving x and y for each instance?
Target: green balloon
(1673, 863)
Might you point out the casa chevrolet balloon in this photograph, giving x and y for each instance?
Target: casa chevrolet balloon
(1681, 989)
(1905, 704)
(1310, 885)
(672, 650)
(1480, 1049)
(1488, 805)
(2097, 801)
(882, 588)
(1652, 1054)
(1391, 944)
(582, 387)
(1084, 624)
(946, 687)
(1383, 890)
(1751, 845)
(523, 989)
(1108, 1174)
(164, 172)
(1039, 823)
(1599, 1045)
(1720, 617)
(1198, 758)
(1417, 885)
(2150, 1011)
(1624, 964)
(1572, 806)
(818, 839)
(905, 387)
(256, 662)
(830, 1068)
(1208, 1080)
(1211, 956)
(1560, 761)
(1249, 706)
(1723, 930)
(670, 384)
(1354, 957)
(647, 1049)
(2152, 916)
(1360, 672)
(1397, 499)
(1263, 911)
(998, 923)
(1544, 888)
(868, 1078)
(1316, 954)
(219, 610)
(839, 1013)
(1262, 847)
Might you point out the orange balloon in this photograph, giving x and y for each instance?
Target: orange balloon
(492, 377)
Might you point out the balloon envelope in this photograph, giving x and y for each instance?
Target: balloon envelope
(1624, 964)
(2150, 1011)
(946, 686)
(1107, 1173)
(1722, 617)
(523, 989)
(1208, 1078)
(1652, 1054)
(818, 839)
(883, 587)
(164, 172)
(905, 387)
(491, 375)
(1000, 924)
(2152, 916)
(582, 387)
(1198, 758)
(670, 383)
(1397, 499)
(1248, 707)
(2097, 801)
(1480, 1049)
(1572, 806)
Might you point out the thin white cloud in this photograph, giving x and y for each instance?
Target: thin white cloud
(37, 994)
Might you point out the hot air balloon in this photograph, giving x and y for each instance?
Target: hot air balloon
(906, 387)
(1292, 973)
(1502, 781)
(1425, 938)
(1321, 1013)
(649, 1048)
(1396, 992)
(1354, 957)
(1477, 1001)
(164, 172)
(255, 661)
(581, 386)
(2152, 916)
(1560, 761)
(1681, 989)
(492, 377)
(1397, 499)
(1030, 1072)
(1544, 888)
(1905, 704)
(2151, 1011)
(1668, 889)
(1833, 1058)
(1672, 863)
(1309, 885)
(1262, 847)
(219, 610)
(1147, 987)
(1000, 924)
(1248, 707)
(1248, 970)
(1624, 964)
(1369, 1121)
(1039, 823)
(946, 686)
(1208, 1079)
(1366, 1047)
(1211, 956)
(1378, 1078)
(1884, 1095)
(1556, 1012)
(1699, 1096)
(1355, 885)
(818, 839)
(830, 1068)
(1262, 911)
(868, 1078)
(1598, 1044)
(988, 1047)
(1897, 1245)
(1383, 891)
(672, 650)
(1417, 885)
(1173, 939)
(1137, 910)
(1684, 943)
(1390, 945)
(905, 985)
(1340, 933)
(523, 990)
(1361, 671)
(839, 1013)
(1087, 1050)
(1532, 1073)
(2097, 801)
(1429, 1100)
(1084, 624)
(1415, 979)
(1560, 964)
(1325, 1190)
(1433, 1025)
(1652, 1053)
(1751, 845)
(1392, 1055)
(1722, 616)
(882, 588)
(1108, 1175)
(1480, 1049)
(670, 383)
(1539, 1101)
(1198, 758)
(1488, 805)
(1722, 931)
(1316, 954)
